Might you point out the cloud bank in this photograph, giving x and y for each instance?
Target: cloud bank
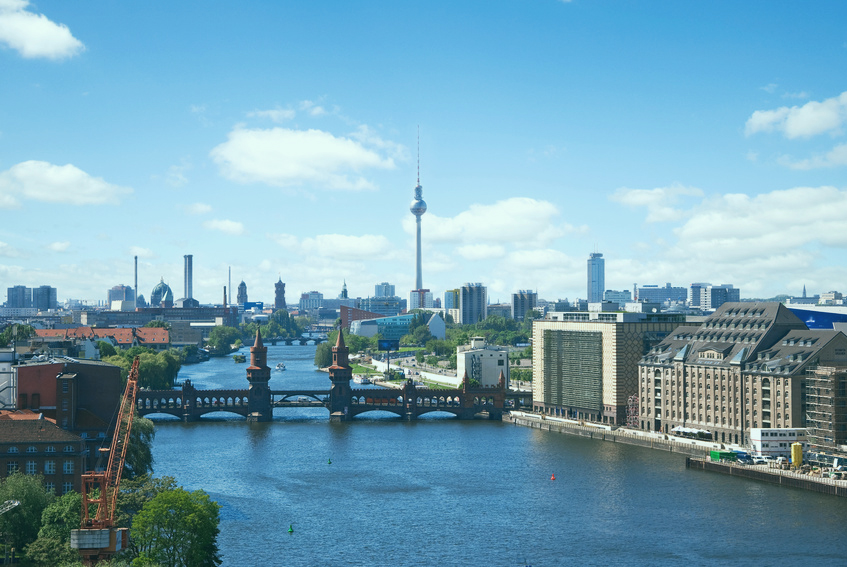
(34, 35)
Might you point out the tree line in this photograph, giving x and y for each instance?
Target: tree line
(169, 526)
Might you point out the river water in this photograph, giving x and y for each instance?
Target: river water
(446, 492)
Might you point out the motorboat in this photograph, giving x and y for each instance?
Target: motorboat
(280, 366)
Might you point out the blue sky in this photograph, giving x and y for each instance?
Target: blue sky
(685, 141)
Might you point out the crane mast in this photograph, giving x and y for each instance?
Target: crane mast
(97, 539)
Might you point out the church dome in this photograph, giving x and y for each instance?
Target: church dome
(161, 294)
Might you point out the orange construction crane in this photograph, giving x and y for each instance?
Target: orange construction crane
(97, 538)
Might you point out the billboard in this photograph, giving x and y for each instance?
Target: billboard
(388, 344)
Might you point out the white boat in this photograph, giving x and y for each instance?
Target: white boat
(361, 379)
(280, 366)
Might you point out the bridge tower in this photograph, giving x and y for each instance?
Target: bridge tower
(258, 374)
(340, 373)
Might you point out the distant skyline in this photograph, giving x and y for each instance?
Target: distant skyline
(685, 142)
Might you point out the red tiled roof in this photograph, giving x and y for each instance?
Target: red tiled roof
(122, 336)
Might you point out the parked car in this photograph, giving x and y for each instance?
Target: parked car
(760, 461)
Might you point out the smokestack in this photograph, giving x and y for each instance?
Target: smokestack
(229, 286)
(136, 281)
(189, 276)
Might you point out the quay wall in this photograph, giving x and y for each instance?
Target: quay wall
(607, 434)
(774, 476)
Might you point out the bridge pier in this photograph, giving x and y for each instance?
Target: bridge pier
(188, 417)
(410, 416)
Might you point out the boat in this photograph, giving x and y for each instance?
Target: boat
(280, 366)
(358, 379)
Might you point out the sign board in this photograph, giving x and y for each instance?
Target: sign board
(388, 344)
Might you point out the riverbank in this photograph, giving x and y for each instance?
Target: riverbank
(606, 433)
(761, 473)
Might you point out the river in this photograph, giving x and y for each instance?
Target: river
(446, 492)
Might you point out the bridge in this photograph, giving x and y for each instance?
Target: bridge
(290, 341)
(257, 402)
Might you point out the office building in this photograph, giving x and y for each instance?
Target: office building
(619, 298)
(585, 364)
(19, 297)
(44, 298)
(666, 294)
(420, 299)
(121, 293)
(596, 277)
(451, 299)
(241, 298)
(188, 274)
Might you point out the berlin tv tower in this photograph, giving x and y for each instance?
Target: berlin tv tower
(418, 208)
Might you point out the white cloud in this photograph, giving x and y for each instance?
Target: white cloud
(59, 246)
(198, 209)
(42, 181)
(176, 174)
(141, 252)
(34, 35)
(312, 108)
(805, 121)
(283, 157)
(287, 241)
(234, 228)
(837, 156)
(799, 95)
(277, 115)
(659, 201)
(518, 221)
(8, 251)
(348, 247)
(770, 88)
(481, 251)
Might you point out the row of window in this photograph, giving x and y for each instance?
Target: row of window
(48, 449)
(31, 467)
(66, 487)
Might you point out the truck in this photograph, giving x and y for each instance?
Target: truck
(717, 456)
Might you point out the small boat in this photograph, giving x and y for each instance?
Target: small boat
(280, 366)
(358, 379)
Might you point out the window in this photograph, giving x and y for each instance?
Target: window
(31, 467)
(13, 450)
(50, 486)
(11, 467)
(68, 467)
(31, 449)
(49, 467)
(68, 449)
(65, 404)
(67, 487)
(500, 362)
(50, 449)
(65, 386)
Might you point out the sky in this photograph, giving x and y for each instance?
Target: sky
(686, 142)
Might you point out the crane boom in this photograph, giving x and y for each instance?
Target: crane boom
(8, 505)
(96, 539)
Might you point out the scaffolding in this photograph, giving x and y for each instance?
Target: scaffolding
(632, 412)
(826, 408)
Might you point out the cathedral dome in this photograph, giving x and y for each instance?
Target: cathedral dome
(161, 294)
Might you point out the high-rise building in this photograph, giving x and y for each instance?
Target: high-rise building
(420, 299)
(713, 296)
(279, 295)
(596, 277)
(473, 303)
(121, 293)
(451, 299)
(44, 298)
(618, 297)
(242, 293)
(189, 276)
(384, 289)
(523, 302)
(19, 297)
(310, 300)
(695, 293)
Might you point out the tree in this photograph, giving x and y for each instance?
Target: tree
(158, 324)
(323, 355)
(221, 339)
(178, 528)
(19, 526)
(139, 457)
(16, 333)
(53, 544)
(106, 349)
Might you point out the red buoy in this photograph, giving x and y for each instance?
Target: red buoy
(553, 477)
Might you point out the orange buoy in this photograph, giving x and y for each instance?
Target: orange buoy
(553, 477)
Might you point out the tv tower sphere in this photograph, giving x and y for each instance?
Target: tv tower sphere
(418, 206)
